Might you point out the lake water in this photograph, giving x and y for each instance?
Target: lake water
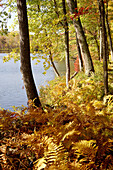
(11, 84)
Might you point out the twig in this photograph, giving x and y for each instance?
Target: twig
(74, 75)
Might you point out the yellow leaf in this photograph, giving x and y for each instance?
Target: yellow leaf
(44, 72)
(98, 104)
(41, 163)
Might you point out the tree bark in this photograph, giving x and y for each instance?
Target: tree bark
(109, 31)
(104, 37)
(53, 65)
(96, 41)
(66, 44)
(25, 53)
(101, 37)
(51, 58)
(79, 55)
(88, 64)
(66, 28)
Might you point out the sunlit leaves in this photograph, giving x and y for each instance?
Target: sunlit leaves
(47, 36)
(4, 16)
(67, 133)
(13, 55)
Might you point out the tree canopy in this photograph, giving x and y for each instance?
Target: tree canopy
(66, 127)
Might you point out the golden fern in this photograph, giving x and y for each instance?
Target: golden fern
(54, 154)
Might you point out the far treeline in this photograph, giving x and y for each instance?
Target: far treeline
(9, 42)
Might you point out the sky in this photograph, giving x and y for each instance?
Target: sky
(10, 23)
(9, 20)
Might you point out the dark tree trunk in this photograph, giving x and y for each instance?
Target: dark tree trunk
(25, 53)
(104, 37)
(53, 65)
(109, 31)
(66, 44)
(88, 64)
(51, 58)
(96, 41)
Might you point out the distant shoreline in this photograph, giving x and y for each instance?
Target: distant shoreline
(5, 51)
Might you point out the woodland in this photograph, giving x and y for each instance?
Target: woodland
(9, 42)
(69, 124)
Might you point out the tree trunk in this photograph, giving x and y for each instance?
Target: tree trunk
(53, 65)
(104, 37)
(96, 41)
(25, 53)
(66, 44)
(101, 40)
(51, 58)
(79, 55)
(109, 31)
(88, 64)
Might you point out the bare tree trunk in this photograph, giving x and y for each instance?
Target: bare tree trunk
(25, 53)
(88, 64)
(109, 31)
(96, 41)
(65, 26)
(79, 55)
(51, 58)
(66, 44)
(95, 37)
(53, 65)
(101, 42)
(104, 37)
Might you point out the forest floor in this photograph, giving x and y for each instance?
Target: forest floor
(75, 132)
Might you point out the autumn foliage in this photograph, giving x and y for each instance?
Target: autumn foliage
(81, 11)
(74, 130)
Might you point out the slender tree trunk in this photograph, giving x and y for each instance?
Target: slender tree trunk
(25, 53)
(66, 44)
(101, 37)
(96, 41)
(109, 31)
(51, 58)
(104, 37)
(53, 65)
(65, 26)
(79, 55)
(101, 42)
(88, 64)
(95, 37)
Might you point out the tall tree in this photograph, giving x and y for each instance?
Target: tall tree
(104, 44)
(79, 54)
(25, 53)
(88, 64)
(46, 38)
(53, 65)
(101, 37)
(109, 31)
(66, 28)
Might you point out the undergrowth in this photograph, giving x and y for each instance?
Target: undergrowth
(74, 130)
